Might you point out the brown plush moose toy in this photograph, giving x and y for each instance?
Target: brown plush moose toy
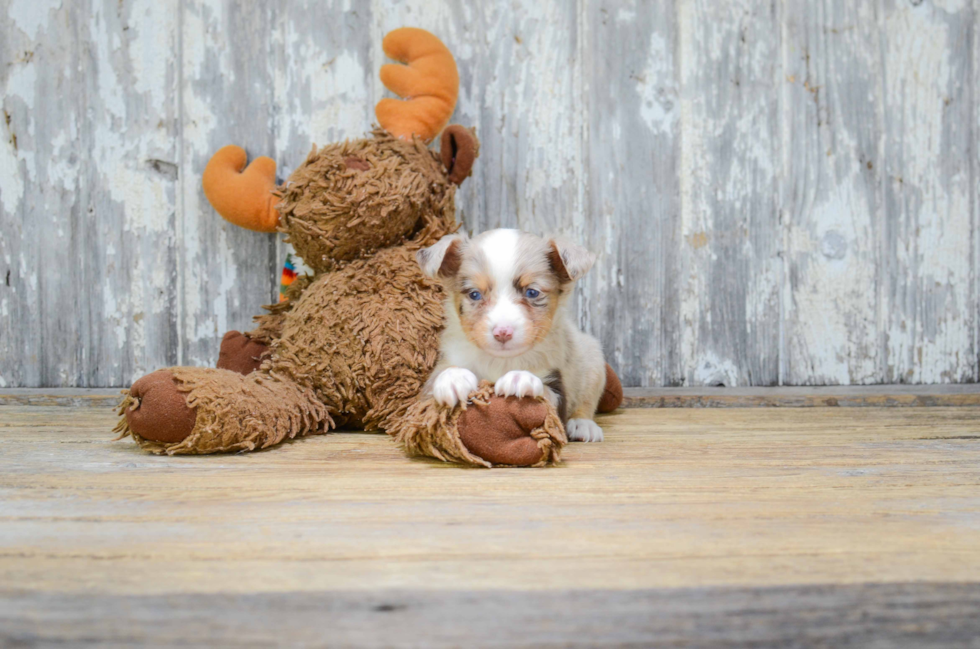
(353, 344)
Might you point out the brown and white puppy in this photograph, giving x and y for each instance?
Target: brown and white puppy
(506, 322)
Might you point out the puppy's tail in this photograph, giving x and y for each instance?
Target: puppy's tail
(612, 396)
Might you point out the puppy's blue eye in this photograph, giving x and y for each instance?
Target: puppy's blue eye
(532, 293)
(475, 295)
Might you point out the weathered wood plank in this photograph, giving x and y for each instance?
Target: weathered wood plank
(88, 191)
(630, 219)
(728, 269)
(974, 175)
(928, 192)
(671, 499)
(324, 75)
(228, 75)
(831, 122)
(872, 615)
(764, 528)
(112, 264)
(71, 397)
(856, 396)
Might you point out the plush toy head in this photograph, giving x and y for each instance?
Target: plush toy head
(350, 199)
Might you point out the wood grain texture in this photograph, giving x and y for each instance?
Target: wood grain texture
(325, 75)
(831, 207)
(728, 267)
(765, 523)
(874, 615)
(88, 191)
(779, 193)
(633, 196)
(827, 396)
(929, 153)
(673, 498)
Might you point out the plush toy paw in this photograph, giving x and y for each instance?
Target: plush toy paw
(159, 412)
(583, 430)
(519, 383)
(500, 432)
(241, 354)
(454, 385)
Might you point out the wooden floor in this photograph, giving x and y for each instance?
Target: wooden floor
(741, 526)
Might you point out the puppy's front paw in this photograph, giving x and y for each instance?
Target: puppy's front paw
(453, 385)
(583, 430)
(519, 383)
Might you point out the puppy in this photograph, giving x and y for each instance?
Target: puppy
(506, 322)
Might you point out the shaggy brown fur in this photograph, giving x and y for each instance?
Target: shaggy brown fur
(354, 344)
(335, 210)
(235, 412)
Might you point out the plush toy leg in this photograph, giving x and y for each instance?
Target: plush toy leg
(189, 410)
(245, 352)
(241, 353)
(612, 396)
(489, 431)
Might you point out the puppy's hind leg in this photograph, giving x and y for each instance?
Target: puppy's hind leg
(581, 427)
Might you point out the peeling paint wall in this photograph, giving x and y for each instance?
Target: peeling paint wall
(780, 192)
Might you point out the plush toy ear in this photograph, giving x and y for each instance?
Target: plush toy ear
(459, 149)
(570, 261)
(444, 257)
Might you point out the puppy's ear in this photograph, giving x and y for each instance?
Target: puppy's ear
(568, 260)
(444, 257)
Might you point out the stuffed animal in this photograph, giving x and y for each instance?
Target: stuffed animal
(352, 344)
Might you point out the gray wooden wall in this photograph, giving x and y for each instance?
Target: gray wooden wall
(780, 192)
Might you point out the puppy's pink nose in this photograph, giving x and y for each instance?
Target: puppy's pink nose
(502, 333)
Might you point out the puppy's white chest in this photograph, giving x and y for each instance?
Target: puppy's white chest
(493, 370)
(489, 368)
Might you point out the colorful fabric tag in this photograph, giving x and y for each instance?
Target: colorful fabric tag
(288, 276)
(293, 267)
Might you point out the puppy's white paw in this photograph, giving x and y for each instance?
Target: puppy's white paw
(583, 430)
(519, 383)
(453, 385)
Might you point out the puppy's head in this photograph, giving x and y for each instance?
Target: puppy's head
(505, 285)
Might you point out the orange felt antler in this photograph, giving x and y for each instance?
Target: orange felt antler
(429, 84)
(241, 195)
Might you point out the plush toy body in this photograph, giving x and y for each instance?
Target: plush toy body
(354, 344)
